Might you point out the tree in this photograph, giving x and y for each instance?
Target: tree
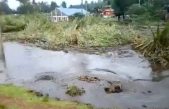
(107, 2)
(23, 1)
(44, 7)
(25, 9)
(64, 5)
(136, 9)
(4, 8)
(122, 5)
(33, 2)
(86, 5)
(53, 5)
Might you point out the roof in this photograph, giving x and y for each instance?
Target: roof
(78, 6)
(71, 11)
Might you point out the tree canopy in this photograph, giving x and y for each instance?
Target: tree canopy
(23, 1)
(4, 8)
(53, 5)
(64, 5)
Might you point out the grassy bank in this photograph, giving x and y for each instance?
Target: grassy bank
(87, 32)
(12, 97)
(155, 48)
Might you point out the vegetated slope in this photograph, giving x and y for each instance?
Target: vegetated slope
(12, 97)
(86, 32)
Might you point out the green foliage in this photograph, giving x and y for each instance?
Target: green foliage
(45, 99)
(10, 25)
(4, 8)
(27, 8)
(86, 32)
(64, 5)
(77, 15)
(157, 49)
(74, 91)
(21, 93)
(44, 7)
(122, 5)
(3, 106)
(23, 1)
(136, 9)
(53, 5)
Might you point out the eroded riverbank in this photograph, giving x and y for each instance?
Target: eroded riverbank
(27, 66)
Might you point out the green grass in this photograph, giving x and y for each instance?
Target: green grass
(21, 93)
(74, 91)
(14, 23)
(87, 32)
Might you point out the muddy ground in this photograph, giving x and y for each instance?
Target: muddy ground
(51, 72)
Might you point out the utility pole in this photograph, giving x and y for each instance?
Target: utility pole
(139, 2)
(82, 6)
(2, 57)
(86, 3)
(1, 51)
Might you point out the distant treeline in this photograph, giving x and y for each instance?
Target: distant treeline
(150, 7)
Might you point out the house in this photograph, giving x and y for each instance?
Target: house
(63, 14)
(81, 6)
(107, 11)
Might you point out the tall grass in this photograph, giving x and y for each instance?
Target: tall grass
(86, 32)
(9, 24)
(156, 48)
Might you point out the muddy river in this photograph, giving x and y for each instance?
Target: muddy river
(51, 72)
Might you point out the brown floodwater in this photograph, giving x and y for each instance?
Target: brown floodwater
(50, 72)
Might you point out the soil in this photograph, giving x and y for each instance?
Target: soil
(8, 102)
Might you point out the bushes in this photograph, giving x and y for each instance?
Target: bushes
(157, 48)
(12, 23)
(136, 9)
(77, 15)
(88, 31)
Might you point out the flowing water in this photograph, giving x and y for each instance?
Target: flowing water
(50, 72)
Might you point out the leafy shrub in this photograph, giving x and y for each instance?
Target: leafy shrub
(77, 15)
(85, 32)
(3, 106)
(157, 48)
(12, 23)
(74, 91)
(136, 9)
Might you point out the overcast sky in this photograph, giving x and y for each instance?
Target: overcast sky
(14, 4)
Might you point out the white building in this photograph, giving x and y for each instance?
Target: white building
(63, 14)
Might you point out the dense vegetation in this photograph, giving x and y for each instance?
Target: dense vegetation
(87, 32)
(156, 48)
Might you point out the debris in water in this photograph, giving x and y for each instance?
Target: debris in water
(89, 79)
(74, 91)
(45, 77)
(149, 91)
(115, 87)
(38, 94)
(144, 106)
(65, 51)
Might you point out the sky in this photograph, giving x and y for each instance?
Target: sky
(13, 4)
